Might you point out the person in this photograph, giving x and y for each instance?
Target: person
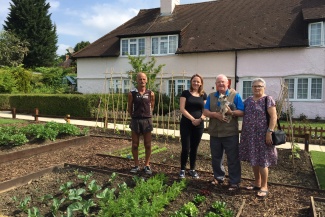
(256, 137)
(224, 134)
(192, 123)
(140, 106)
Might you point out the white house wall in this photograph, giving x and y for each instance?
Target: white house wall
(277, 64)
(93, 71)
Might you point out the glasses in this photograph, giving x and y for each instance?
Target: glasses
(257, 86)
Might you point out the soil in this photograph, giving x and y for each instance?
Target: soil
(291, 182)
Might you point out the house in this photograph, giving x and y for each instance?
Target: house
(278, 40)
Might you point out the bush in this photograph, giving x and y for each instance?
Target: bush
(303, 117)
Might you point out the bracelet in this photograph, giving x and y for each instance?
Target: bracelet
(269, 130)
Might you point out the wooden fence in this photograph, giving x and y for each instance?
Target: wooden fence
(317, 134)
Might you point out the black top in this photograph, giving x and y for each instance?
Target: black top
(194, 104)
(141, 104)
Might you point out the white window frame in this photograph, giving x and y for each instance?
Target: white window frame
(116, 85)
(246, 91)
(311, 40)
(182, 84)
(133, 43)
(166, 42)
(294, 92)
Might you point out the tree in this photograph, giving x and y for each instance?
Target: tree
(29, 20)
(81, 45)
(12, 49)
(139, 65)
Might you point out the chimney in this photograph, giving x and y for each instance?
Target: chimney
(167, 6)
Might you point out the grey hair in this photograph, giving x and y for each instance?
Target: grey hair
(259, 80)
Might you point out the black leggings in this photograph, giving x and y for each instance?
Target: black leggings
(190, 137)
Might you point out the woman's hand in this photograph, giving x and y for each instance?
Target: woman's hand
(196, 122)
(269, 138)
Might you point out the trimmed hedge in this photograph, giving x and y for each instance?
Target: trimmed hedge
(76, 105)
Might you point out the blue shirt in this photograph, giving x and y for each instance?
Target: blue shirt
(237, 101)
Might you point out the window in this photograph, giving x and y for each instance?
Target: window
(247, 89)
(316, 34)
(133, 46)
(176, 87)
(119, 86)
(305, 88)
(163, 45)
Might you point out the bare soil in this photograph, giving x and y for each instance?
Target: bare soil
(291, 182)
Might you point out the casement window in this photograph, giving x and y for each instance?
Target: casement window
(163, 45)
(302, 89)
(247, 89)
(133, 46)
(176, 87)
(119, 86)
(316, 34)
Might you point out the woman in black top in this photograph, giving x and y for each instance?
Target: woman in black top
(192, 123)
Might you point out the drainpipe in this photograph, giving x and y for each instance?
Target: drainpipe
(236, 77)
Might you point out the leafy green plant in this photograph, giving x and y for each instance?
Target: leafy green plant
(221, 209)
(23, 205)
(34, 212)
(75, 194)
(65, 187)
(56, 203)
(190, 209)
(45, 198)
(198, 199)
(85, 178)
(93, 187)
(83, 206)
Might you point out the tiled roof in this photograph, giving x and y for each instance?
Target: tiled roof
(220, 25)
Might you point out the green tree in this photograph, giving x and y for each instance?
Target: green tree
(81, 45)
(29, 20)
(139, 65)
(12, 49)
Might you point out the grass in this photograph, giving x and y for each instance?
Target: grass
(10, 121)
(319, 166)
(304, 123)
(127, 153)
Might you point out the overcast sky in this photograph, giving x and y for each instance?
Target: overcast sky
(88, 20)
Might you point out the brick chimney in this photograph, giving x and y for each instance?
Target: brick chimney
(167, 6)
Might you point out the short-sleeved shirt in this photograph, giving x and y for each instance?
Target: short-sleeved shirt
(194, 104)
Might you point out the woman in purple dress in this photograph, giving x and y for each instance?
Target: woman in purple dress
(256, 137)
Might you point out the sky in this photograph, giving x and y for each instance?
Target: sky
(88, 20)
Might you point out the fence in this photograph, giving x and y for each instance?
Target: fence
(317, 134)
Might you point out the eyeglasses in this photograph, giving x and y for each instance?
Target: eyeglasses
(257, 86)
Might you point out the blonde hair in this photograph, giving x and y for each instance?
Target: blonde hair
(200, 90)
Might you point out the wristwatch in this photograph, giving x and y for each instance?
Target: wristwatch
(269, 130)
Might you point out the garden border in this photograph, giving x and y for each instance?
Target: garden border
(43, 148)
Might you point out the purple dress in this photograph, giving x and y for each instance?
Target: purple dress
(253, 147)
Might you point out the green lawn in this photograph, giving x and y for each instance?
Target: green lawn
(302, 124)
(10, 121)
(319, 166)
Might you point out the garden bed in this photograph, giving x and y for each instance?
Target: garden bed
(290, 185)
(317, 206)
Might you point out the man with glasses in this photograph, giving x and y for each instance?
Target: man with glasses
(224, 135)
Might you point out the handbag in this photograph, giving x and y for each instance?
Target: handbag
(278, 136)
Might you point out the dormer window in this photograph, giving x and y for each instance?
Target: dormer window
(316, 34)
(133, 46)
(164, 45)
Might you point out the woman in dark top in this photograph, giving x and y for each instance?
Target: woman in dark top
(192, 123)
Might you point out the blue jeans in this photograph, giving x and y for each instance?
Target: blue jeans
(229, 145)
